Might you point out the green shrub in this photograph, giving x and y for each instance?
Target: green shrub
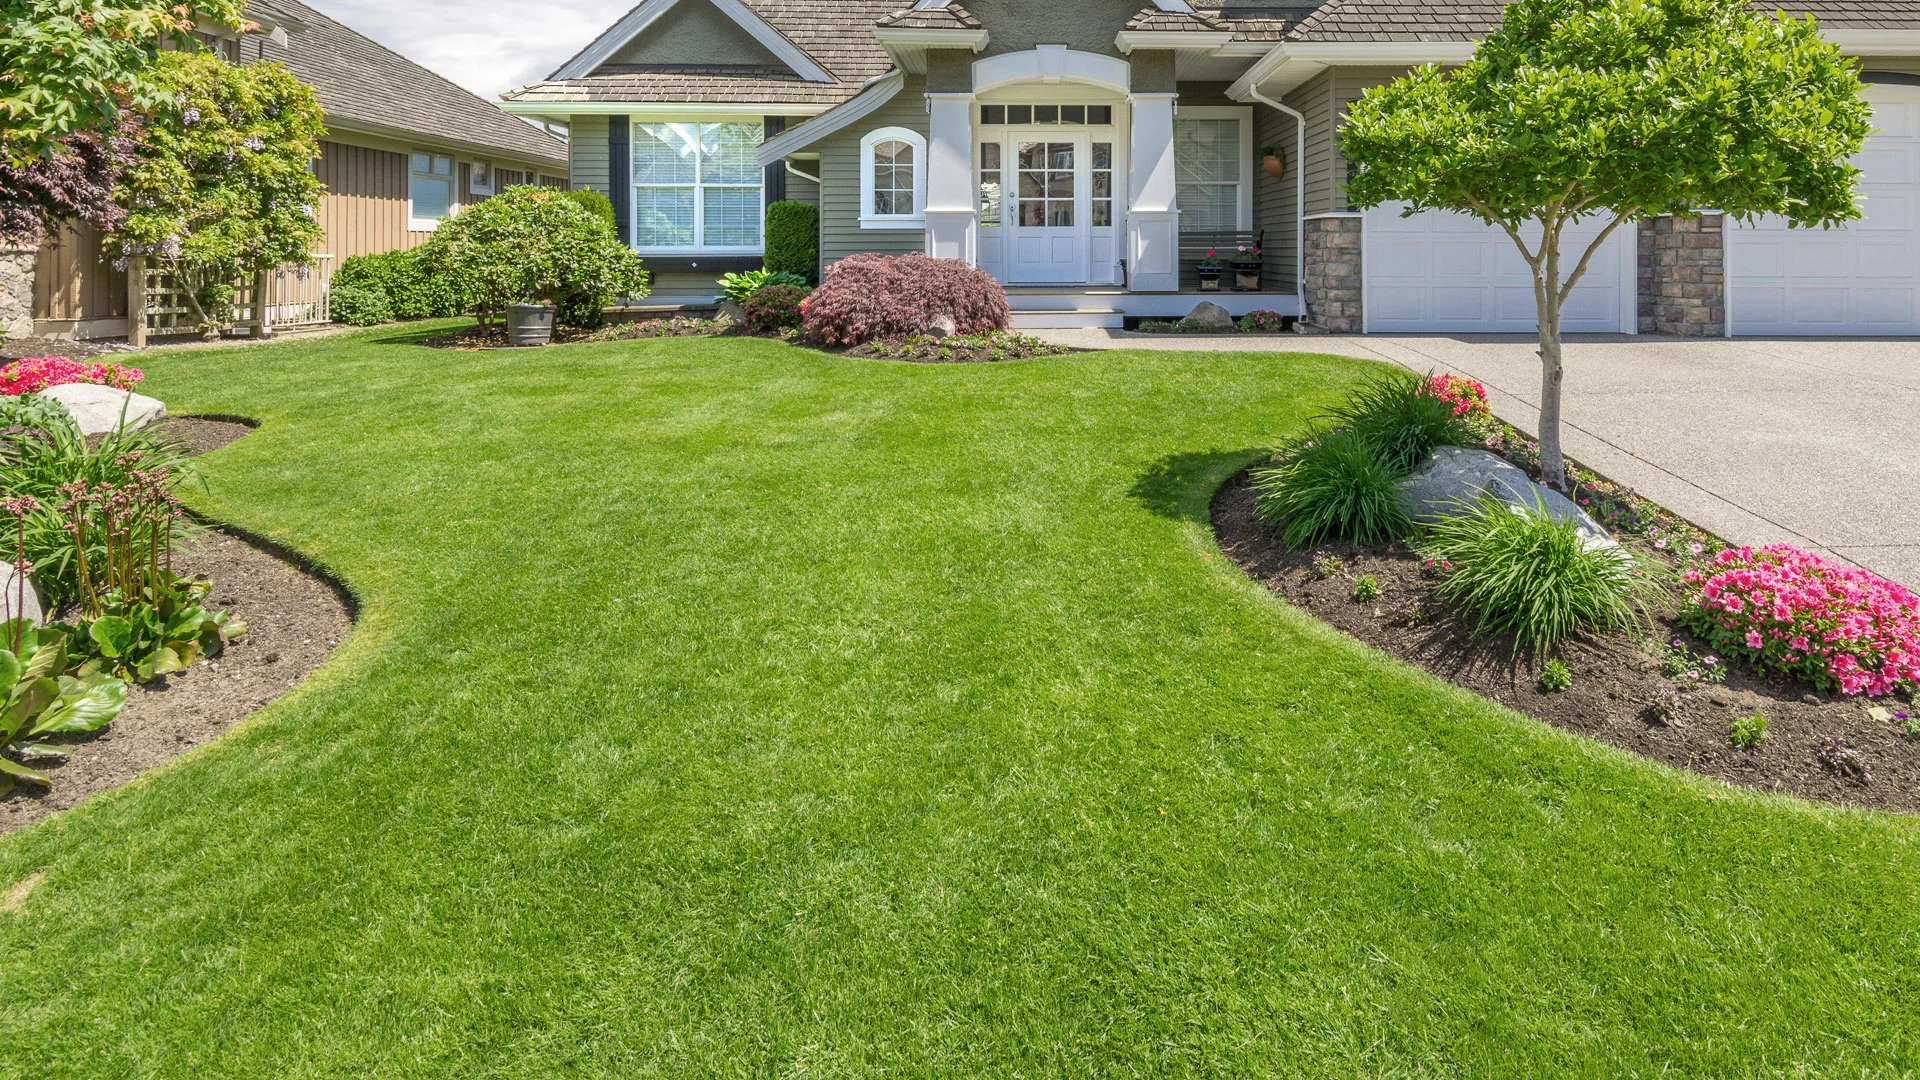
(1556, 676)
(357, 306)
(1748, 731)
(1328, 485)
(33, 412)
(793, 240)
(1402, 417)
(1366, 589)
(593, 203)
(773, 308)
(409, 290)
(1531, 575)
(737, 287)
(533, 244)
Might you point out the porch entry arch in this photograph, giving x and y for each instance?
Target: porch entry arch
(1052, 64)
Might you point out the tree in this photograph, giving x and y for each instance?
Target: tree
(1614, 109)
(532, 243)
(69, 66)
(222, 181)
(77, 180)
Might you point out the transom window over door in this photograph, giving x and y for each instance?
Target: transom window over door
(696, 186)
(1212, 189)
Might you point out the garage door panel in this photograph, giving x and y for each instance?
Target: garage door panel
(1398, 304)
(1454, 304)
(1454, 259)
(1406, 257)
(1861, 279)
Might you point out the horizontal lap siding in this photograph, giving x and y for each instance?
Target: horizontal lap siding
(840, 231)
(587, 154)
(1274, 214)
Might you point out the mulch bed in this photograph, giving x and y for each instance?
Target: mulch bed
(20, 348)
(294, 620)
(960, 349)
(1615, 678)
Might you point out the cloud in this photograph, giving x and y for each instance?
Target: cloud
(486, 46)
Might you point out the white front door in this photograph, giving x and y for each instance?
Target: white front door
(1047, 233)
(1861, 279)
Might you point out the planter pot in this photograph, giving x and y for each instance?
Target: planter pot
(1275, 165)
(529, 324)
(1210, 278)
(1246, 276)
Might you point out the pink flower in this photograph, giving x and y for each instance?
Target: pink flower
(1661, 544)
(1695, 548)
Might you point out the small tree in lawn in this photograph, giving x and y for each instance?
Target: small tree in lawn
(1614, 109)
(530, 244)
(222, 183)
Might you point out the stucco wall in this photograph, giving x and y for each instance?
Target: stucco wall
(1017, 25)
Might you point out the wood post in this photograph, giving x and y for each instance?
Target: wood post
(262, 328)
(137, 301)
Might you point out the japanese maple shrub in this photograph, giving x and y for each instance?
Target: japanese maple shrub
(1786, 610)
(873, 297)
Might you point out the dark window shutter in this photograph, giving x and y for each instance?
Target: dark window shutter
(776, 178)
(620, 170)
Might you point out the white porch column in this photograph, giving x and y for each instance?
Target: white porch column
(1153, 225)
(952, 212)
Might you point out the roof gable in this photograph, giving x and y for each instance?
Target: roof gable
(648, 13)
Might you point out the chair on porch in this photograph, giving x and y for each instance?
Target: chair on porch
(1195, 245)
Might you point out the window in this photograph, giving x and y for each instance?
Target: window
(893, 179)
(696, 186)
(1046, 185)
(480, 178)
(990, 183)
(1101, 180)
(995, 115)
(429, 191)
(1210, 167)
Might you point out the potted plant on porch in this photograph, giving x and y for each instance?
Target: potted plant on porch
(1246, 268)
(1210, 267)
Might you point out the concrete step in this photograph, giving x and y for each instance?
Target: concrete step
(1068, 319)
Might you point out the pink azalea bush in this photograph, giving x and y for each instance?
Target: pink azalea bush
(1791, 611)
(1467, 397)
(870, 297)
(36, 373)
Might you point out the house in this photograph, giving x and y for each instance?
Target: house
(404, 147)
(1088, 153)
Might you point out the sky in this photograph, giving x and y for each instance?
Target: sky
(484, 45)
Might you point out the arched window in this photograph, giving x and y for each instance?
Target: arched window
(893, 179)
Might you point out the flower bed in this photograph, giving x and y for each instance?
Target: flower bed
(1253, 322)
(34, 374)
(959, 348)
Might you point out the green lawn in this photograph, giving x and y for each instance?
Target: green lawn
(727, 709)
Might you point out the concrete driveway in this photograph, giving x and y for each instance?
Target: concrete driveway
(1812, 442)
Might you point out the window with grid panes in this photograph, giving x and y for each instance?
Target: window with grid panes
(696, 186)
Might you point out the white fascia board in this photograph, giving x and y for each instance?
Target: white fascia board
(876, 93)
(561, 111)
(644, 15)
(922, 38)
(1128, 40)
(1291, 64)
(1875, 42)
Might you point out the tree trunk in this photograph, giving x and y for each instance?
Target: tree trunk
(1547, 299)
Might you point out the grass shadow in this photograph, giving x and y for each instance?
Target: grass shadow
(1181, 486)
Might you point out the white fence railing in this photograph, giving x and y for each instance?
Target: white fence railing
(296, 297)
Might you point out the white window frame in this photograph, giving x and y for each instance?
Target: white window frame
(699, 186)
(915, 220)
(1244, 114)
(416, 223)
(476, 170)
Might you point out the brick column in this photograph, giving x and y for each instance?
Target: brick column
(1683, 276)
(1330, 283)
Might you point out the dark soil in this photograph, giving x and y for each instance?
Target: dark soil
(1615, 678)
(20, 348)
(959, 349)
(495, 337)
(294, 620)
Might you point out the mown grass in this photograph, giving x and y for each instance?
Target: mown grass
(725, 709)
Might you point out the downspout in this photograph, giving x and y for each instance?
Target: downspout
(1299, 196)
(788, 162)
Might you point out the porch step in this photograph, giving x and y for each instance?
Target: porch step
(1068, 318)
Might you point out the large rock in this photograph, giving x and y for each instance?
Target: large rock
(12, 591)
(1455, 478)
(1210, 317)
(97, 409)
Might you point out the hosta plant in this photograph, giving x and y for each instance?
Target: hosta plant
(738, 287)
(43, 699)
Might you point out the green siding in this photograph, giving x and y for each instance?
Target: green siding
(840, 231)
(1274, 213)
(587, 153)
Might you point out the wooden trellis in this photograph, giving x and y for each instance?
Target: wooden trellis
(287, 297)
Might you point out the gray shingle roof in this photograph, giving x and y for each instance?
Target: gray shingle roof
(358, 80)
(837, 34)
(951, 17)
(1469, 20)
(1153, 19)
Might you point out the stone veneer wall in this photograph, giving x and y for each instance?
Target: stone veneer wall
(1683, 276)
(1330, 288)
(16, 291)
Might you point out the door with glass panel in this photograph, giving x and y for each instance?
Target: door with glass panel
(1047, 233)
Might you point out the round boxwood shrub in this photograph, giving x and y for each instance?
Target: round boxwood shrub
(871, 297)
(358, 306)
(534, 244)
(793, 239)
(773, 308)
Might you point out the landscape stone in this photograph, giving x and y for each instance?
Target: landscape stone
(96, 409)
(942, 326)
(28, 599)
(1207, 315)
(1455, 478)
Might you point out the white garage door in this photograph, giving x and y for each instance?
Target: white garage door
(1448, 273)
(1858, 280)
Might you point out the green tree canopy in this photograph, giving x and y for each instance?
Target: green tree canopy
(222, 179)
(1615, 109)
(69, 66)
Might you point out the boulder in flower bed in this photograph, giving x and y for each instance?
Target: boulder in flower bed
(1454, 477)
(101, 409)
(18, 600)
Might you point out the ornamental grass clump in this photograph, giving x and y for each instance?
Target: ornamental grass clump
(1401, 418)
(1532, 575)
(1331, 485)
(1790, 611)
